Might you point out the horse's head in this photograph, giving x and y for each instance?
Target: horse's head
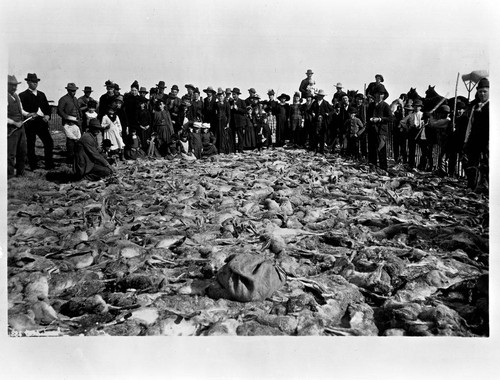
(431, 93)
(351, 94)
(413, 94)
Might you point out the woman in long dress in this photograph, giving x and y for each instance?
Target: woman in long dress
(223, 140)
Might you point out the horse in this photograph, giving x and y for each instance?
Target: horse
(351, 94)
(413, 94)
(432, 99)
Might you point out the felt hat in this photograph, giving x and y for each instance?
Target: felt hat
(417, 103)
(228, 90)
(161, 84)
(31, 77)
(270, 92)
(339, 85)
(117, 87)
(135, 84)
(196, 90)
(87, 89)
(252, 90)
(483, 83)
(71, 87)
(309, 71)
(72, 118)
(236, 90)
(255, 96)
(380, 76)
(321, 93)
(174, 87)
(143, 90)
(352, 110)
(220, 91)
(444, 108)
(109, 83)
(189, 85)
(11, 79)
(460, 105)
(94, 124)
(285, 97)
(209, 89)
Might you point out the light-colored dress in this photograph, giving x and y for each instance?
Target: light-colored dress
(113, 132)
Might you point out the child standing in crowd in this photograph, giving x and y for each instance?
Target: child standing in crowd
(196, 144)
(185, 148)
(91, 113)
(296, 120)
(354, 128)
(133, 149)
(162, 126)
(113, 131)
(208, 141)
(73, 134)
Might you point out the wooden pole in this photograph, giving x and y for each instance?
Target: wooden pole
(455, 104)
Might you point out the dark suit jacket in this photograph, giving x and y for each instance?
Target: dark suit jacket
(383, 111)
(208, 109)
(238, 116)
(31, 103)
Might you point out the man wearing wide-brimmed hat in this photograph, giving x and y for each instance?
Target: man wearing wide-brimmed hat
(35, 101)
(477, 136)
(337, 97)
(251, 94)
(238, 118)
(379, 115)
(305, 82)
(16, 138)
(209, 106)
(68, 105)
(321, 111)
(377, 84)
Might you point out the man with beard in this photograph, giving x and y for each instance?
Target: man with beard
(35, 102)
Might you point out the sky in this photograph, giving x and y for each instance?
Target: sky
(260, 44)
(245, 44)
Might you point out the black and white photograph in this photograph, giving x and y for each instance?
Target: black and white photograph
(249, 189)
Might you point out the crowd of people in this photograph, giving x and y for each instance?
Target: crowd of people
(151, 123)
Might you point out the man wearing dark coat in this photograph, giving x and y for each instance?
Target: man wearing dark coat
(106, 100)
(305, 82)
(379, 115)
(173, 106)
(282, 116)
(209, 106)
(68, 105)
(321, 111)
(131, 106)
(337, 97)
(238, 118)
(251, 94)
(89, 163)
(195, 110)
(477, 135)
(373, 85)
(35, 101)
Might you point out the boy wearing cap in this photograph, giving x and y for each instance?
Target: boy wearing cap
(35, 102)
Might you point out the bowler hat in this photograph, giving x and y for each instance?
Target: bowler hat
(380, 76)
(417, 103)
(161, 84)
(209, 89)
(309, 71)
(252, 90)
(189, 85)
(285, 97)
(339, 85)
(143, 90)
(483, 83)
(87, 89)
(11, 79)
(255, 96)
(321, 93)
(236, 90)
(31, 78)
(174, 87)
(94, 124)
(228, 90)
(270, 92)
(71, 87)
